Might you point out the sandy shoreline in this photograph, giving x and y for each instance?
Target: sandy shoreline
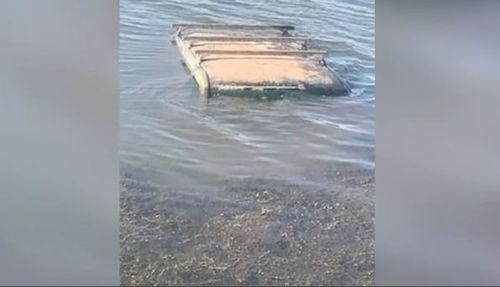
(261, 233)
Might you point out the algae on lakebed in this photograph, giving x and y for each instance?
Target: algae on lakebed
(262, 233)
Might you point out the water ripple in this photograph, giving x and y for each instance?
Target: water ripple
(166, 127)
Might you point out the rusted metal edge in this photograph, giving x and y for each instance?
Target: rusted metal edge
(260, 88)
(343, 83)
(262, 52)
(232, 26)
(203, 59)
(245, 39)
(324, 89)
(193, 64)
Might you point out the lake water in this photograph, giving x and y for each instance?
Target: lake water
(164, 127)
(177, 143)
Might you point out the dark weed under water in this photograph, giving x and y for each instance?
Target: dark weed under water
(262, 233)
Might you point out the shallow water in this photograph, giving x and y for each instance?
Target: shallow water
(165, 127)
(244, 190)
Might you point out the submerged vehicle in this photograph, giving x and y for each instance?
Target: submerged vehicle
(254, 59)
